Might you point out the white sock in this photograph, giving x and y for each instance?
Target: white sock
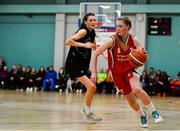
(150, 107)
(88, 109)
(140, 111)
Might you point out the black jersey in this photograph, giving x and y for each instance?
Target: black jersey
(78, 55)
(78, 60)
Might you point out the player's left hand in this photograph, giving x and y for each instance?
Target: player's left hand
(93, 78)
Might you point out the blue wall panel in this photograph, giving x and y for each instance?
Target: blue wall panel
(27, 40)
(164, 51)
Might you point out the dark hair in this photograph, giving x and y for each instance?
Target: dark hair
(126, 21)
(85, 18)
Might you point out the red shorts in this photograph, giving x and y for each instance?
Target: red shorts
(121, 81)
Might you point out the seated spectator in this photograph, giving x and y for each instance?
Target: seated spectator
(166, 84)
(40, 75)
(62, 80)
(178, 76)
(28, 70)
(22, 79)
(159, 83)
(4, 74)
(31, 79)
(77, 86)
(50, 78)
(152, 81)
(175, 85)
(2, 63)
(144, 79)
(13, 77)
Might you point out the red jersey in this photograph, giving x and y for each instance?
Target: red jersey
(118, 54)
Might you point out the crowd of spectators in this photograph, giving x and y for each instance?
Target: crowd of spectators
(22, 78)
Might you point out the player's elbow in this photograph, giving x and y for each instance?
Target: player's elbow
(68, 42)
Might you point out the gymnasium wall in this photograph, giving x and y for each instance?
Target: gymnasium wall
(27, 40)
(164, 51)
(78, 1)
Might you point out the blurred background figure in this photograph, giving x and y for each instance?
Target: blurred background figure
(50, 79)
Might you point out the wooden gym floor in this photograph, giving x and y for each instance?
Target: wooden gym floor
(55, 111)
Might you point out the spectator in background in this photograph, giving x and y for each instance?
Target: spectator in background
(31, 79)
(62, 80)
(178, 76)
(2, 63)
(166, 84)
(175, 86)
(28, 70)
(152, 82)
(77, 86)
(40, 75)
(50, 78)
(4, 74)
(144, 79)
(22, 79)
(13, 77)
(159, 83)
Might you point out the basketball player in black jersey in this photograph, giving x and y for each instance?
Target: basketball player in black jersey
(78, 60)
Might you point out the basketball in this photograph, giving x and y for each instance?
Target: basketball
(137, 57)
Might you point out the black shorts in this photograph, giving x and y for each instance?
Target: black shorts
(75, 71)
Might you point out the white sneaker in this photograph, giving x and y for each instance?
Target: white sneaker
(27, 89)
(56, 86)
(156, 116)
(31, 89)
(90, 116)
(77, 91)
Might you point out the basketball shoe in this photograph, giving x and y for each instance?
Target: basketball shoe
(144, 121)
(90, 116)
(156, 116)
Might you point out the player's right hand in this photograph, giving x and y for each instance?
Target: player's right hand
(90, 45)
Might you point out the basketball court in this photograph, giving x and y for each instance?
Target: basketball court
(54, 111)
(61, 111)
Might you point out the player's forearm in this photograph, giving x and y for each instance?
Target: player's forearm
(74, 43)
(94, 63)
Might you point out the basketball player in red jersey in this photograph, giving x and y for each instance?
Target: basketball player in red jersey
(125, 79)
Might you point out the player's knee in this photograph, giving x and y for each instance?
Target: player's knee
(136, 90)
(93, 87)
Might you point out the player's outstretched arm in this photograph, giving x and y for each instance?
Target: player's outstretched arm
(107, 44)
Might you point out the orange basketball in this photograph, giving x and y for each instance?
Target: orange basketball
(137, 57)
